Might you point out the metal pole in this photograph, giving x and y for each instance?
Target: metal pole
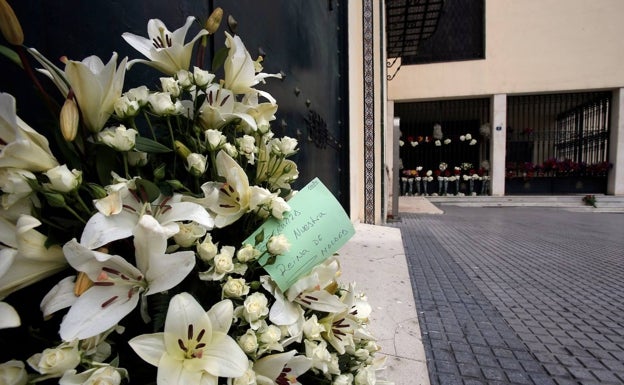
(396, 190)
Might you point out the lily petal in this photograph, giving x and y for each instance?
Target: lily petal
(101, 229)
(150, 347)
(8, 316)
(223, 357)
(59, 297)
(96, 310)
(221, 315)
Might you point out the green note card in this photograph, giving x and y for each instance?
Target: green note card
(316, 227)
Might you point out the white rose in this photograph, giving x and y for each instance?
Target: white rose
(312, 329)
(138, 94)
(56, 361)
(278, 244)
(171, 86)
(63, 180)
(249, 378)
(207, 250)
(279, 207)
(270, 335)
(419, 168)
(472, 142)
(447, 141)
(248, 342)
(362, 354)
(285, 146)
(372, 346)
(235, 288)
(468, 136)
(254, 308)
(247, 147)
(202, 77)
(106, 375)
(118, 138)
(462, 137)
(161, 104)
(126, 108)
(401, 143)
(343, 379)
(319, 355)
(230, 149)
(185, 79)
(137, 158)
(196, 164)
(438, 143)
(333, 366)
(247, 253)
(366, 376)
(215, 139)
(223, 261)
(189, 233)
(13, 373)
(429, 172)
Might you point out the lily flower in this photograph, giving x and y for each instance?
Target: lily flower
(21, 146)
(219, 109)
(120, 211)
(194, 347)
(118, 285)
(309, 291)
(282, 368)
(240, 69)
(229, 200)
(96, 87)
(165, 50)
(26, 258)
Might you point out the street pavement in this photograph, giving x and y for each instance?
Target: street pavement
(518, 295)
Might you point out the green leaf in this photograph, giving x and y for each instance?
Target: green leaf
(105, 160)
(11, 55)
(147, 190)
(259, 237)
(150, 146)
(219, 58)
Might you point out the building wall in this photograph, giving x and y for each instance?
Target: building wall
(531, 46)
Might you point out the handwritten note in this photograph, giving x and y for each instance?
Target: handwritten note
(316, 227)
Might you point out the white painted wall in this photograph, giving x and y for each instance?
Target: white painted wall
(531, 46)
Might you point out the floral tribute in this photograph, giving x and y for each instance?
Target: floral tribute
(129, 217)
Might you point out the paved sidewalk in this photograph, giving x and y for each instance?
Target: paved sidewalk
(518, 295)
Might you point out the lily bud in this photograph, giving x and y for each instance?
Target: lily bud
(213, 22)
(181, 149)
(159, 172)
(69, 119)
(10, 25)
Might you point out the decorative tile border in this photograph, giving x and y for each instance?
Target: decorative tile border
(369, 114)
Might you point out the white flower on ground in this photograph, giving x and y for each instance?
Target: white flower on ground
(22, 147)
(104, 375)
(118, 285)
(54, 362)
(96, 87)
(165, 50)
(13, 373)
(282, 368)
(194, 347)
(25, 257)
(118, 138)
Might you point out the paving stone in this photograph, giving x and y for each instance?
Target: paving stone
(544, 284)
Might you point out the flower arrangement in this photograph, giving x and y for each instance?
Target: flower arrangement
(590, 200)
(133, 218)
(556, 168)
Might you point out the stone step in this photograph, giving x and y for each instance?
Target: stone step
(604, 203)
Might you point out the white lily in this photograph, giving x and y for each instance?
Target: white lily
(282, 368)
(220, 108)
(194, 347)
(240, 70)
(21, 146)
(119, 212)
(165, 50)
(15, 185)
(27, 259)
(8, 316)
(105, 375)
(96, 87)
(118, 285)
(309, 291)
(229, 200)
